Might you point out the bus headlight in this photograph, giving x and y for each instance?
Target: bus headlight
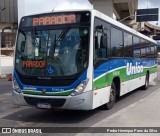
(80, 88)
(16, 86)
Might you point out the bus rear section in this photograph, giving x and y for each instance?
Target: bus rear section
(52, 61)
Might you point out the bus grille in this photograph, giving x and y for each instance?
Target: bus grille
(55, 103)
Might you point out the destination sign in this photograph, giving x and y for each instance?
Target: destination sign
(33, 64)
(58, 18)
(54, 20)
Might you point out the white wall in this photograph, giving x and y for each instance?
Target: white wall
(6, 66)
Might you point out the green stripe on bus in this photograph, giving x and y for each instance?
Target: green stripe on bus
(47, 93)
(106, 80)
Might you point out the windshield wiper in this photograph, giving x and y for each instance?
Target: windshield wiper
(63, 34)
(61, 37)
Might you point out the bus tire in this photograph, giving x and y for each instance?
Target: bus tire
(145, 86)
(112, 98)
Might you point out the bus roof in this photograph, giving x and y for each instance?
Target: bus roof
(56, 11)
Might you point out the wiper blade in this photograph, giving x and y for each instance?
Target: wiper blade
(62, 35)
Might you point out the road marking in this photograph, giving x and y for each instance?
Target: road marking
(7, 94)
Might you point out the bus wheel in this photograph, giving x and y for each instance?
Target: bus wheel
(145, 86)
(112, 98)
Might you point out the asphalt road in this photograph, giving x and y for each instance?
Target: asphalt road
(5, 86)
(12, 116)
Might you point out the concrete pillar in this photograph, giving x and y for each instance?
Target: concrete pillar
(104, 6)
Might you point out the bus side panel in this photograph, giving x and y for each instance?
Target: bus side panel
(128, 71)
(137, 82)
(124, 87)
(101, 96)
(131, 85)
(80, 102)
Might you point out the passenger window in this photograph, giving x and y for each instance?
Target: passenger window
(136, 41)
(148, 51)
(116, 43)
(156, 51)
(143, 52)
(136, 53)
(143, 43)
(136, 47)
(100, 50)
(128, 45)
(152, 52)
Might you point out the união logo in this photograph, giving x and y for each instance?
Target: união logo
(134, 69)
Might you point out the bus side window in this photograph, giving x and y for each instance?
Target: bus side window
(143, 53)
(116, 42)
(136, 47)
(156, 51)
(136, 53)
(148, 50)
(100, 49)
(152, 52)
(128, 45)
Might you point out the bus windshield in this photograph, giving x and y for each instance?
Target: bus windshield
(52, 52)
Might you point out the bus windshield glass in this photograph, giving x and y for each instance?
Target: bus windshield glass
(53, 45)
(59, 52)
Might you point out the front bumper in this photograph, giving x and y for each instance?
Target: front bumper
(18, 99)
(79, 102)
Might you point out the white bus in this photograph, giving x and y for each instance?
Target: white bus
(79, 60)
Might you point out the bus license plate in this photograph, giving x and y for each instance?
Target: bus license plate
(43, 106)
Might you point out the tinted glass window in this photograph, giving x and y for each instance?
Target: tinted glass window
(148, 51)
(155, 49)
(143, 42)
(136, 53)
(152, 49)
(100, 50)
(127, 45)
(152, 54)
(60, 52)
(136, 47)
(101, 46)
(136, 41)
(116, 42)
(143, 52)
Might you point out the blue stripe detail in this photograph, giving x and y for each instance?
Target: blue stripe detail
(113, 64)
